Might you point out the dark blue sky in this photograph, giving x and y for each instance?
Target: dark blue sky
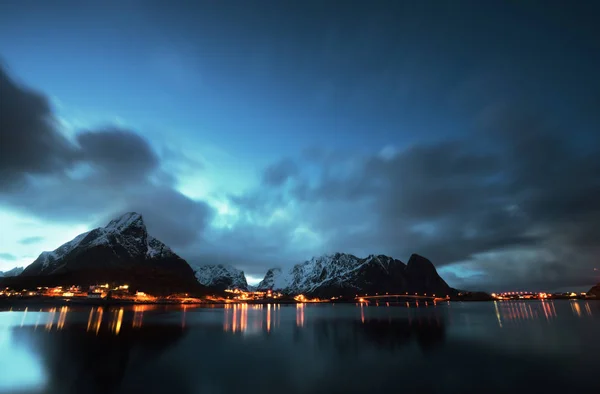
(283, 130)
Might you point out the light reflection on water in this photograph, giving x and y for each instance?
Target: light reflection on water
(518, 311)
(338, 342)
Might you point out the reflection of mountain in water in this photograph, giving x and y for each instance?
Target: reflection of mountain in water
(80, 359)
(351, 335)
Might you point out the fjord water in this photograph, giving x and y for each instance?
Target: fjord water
(488, 347)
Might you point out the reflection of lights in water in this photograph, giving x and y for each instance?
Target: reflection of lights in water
(50, 320)
(498, 314)
(138, 315)
(226, 317)
(183, 316)
(588, 309)
(24, 315)
(300, 315)
(249, 319)
(37, 321)
(575, 308)
(244, 318)
(99, 319)
(239, 318)
(90, 319)
(234, 318)
(62, 317)
(119, 321)
(518, 311)
(362, 313)
(278, 320)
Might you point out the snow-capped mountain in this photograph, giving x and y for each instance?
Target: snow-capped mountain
(221, 277)
(343, 274)
(275, 279)
(121, 251)
(10, 273)
(126, 236)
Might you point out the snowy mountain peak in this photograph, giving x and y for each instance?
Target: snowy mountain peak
(274, 279)
(125, 236)
(129, 219)
(221, 277)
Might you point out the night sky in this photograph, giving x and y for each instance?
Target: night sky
(260, 134)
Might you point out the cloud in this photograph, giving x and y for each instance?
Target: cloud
(277, 173)
(515, 202)
(30, 142)
(8, 256)
(100, 174)
(120, 155)
(31, 240)
(512, 202)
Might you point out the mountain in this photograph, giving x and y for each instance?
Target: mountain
(10, 273)
(346, 275)
(274, 279)
(121, 252)
(595, 291)
(221, 277)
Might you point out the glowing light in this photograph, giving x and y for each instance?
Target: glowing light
(576, 309)
(138, 315)
(50, 321)
(99, 319)
(23, 319)
(300, 315)
(62, 317)
(90, 319)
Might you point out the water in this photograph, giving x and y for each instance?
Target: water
(445, 348)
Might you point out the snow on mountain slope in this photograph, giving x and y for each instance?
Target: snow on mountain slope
(345, 274)
(221, 277)
(275, 279)
(126, 236)
(13, 272)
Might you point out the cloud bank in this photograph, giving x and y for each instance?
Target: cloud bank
(513, 203)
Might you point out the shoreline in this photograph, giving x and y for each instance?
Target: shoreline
(55, 301)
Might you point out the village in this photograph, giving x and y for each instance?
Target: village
(123, 293)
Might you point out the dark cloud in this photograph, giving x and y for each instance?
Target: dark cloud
(278, 173)
(31, 240)
(122, 155)
(29, 142)
(101, 174)
(170, 216)
(515, 202)
(8, 256)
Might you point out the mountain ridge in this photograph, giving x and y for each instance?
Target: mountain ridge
(12, 272)
(221, 277)
(342, 274)
(124, 251)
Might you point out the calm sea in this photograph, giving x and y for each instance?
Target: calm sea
(502, 347)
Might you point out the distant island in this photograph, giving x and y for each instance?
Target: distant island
(121, 262)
